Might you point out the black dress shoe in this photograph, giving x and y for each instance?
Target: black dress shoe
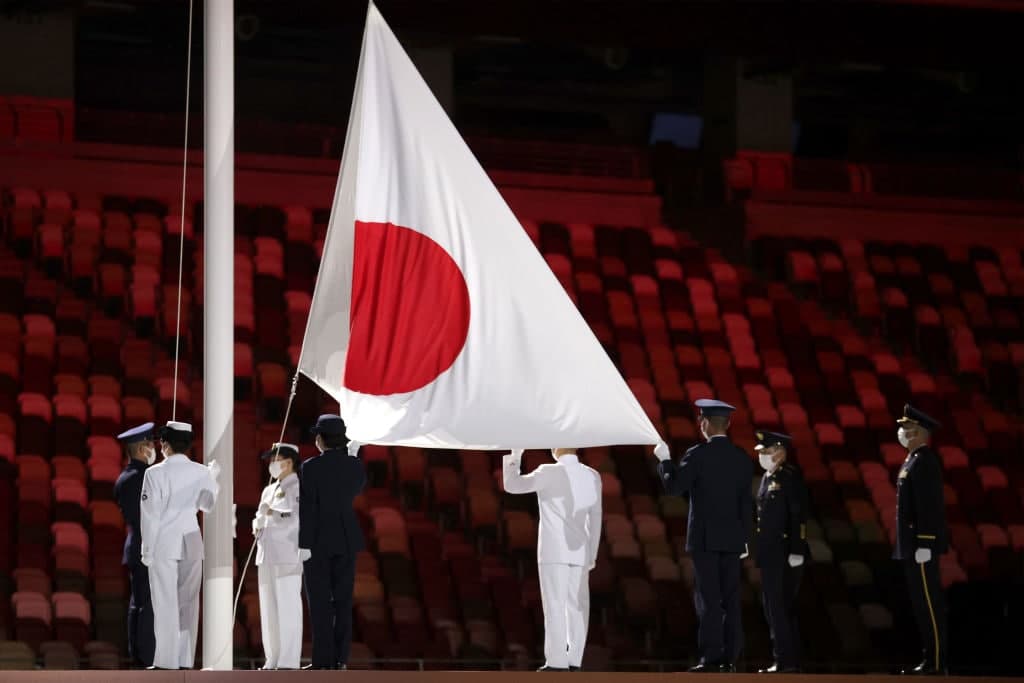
(779, 669)
(550, 668)
(159, 668)
(727, 668)
(311, 667)
(575, 668)
(705, 668)
(926, 669)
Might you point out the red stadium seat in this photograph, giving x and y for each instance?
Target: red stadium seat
(69, 425)
(33, 618)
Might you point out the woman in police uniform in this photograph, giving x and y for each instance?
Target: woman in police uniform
(780, 545)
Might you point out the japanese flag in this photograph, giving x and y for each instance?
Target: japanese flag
(435, 321)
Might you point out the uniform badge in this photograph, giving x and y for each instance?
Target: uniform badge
(280, 494)
(775, 486)
(903, 474)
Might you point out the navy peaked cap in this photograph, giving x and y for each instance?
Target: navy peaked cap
(710, 407)
(768, 439)
(915, 416)
(143, 432)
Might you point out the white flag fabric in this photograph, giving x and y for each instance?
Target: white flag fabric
(435, 321)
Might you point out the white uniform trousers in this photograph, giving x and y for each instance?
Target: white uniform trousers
(174, 588)
(565, 595)
(281, 614)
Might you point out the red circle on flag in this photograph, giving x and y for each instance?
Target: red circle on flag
(409, 314)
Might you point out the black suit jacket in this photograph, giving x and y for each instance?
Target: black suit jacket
(128, 494)
(920, 505)
(327, 523)
(717, 477)
(781, 515)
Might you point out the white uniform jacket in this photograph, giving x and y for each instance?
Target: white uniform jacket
(570, 515)
(279, 541)
(173, 491)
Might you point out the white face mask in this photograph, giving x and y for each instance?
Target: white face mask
(275, 469)
(767, 461)
(901, 436)
(150, 456)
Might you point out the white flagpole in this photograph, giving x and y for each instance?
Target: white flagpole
(219, 324)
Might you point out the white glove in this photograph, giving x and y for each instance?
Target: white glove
(259, 522)
(304, 554)
(661, 451)
(214, 468)
(353, 448)
(922, 555)
(147, 559)
(795, 560)
(746, 552)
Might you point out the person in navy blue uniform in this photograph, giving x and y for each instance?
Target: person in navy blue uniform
(717, 477)
(138, 446)
(921, 535)
(330, 538)
(780, 546)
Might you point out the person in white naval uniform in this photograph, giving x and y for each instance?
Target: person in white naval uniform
(173, 492)
(276, 527)
(569, 498)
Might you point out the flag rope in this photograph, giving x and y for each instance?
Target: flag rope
(181, 240)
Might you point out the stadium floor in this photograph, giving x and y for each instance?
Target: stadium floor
(422, 677)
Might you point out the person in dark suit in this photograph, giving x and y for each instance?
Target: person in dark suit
(716, 475)
(330, 538)
(921, 535)
(138, 446)
(780, 546)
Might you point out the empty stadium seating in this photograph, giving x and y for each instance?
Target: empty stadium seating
(87, 347)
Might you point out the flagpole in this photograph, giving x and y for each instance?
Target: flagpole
(218, 324)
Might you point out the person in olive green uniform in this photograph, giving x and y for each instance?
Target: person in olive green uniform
(921, 535)
(780, 546)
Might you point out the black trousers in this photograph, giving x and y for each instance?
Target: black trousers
(141, 641)
(716, 597)
(329, 585)
(780, 584)
(929, 603)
